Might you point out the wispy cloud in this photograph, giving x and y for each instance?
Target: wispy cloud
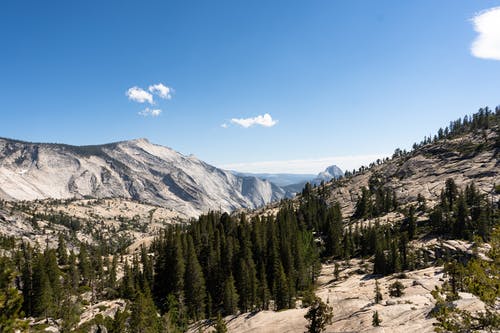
(147, 112)
(161, 90)
(487, 43)
(224, 125)
(305, 166)
(262, 120)
(139, 95)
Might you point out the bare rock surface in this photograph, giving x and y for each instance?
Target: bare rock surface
(469, 158)
(352, 300)
(135, 169)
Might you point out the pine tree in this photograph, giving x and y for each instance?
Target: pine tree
(456, 272)
(231, 297)
(174, 319)
(380, 263)
(27, 278)
(450, 193)
(210, 304)
(247, 284)
(144, 316)
(220, 325)
(73, 276)
(281, 293)
(264, 294)
(484, 228)
(147, 268)
(97, 269)
(403, 249)
(376, 321)
(334, 230)
(462, 214)
(118, 324)
(42, 291)
(62, 251)
(364, 205)
(127, 287)
(348, 242)
(112, 273)
(194, 284)
(10, 301)
(336, 271)
(411, 222)
(319, 316)
(437, 221)
(84, 265)
(378, 294)
(53, 274)
(395, 260)
(179, 270)
(396, 289)
(70, 315)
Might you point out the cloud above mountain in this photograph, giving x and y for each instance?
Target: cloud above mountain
(265, 120)
(139, 95)
(161, 90)
(487, 43)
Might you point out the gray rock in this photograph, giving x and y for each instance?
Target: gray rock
(135, 169)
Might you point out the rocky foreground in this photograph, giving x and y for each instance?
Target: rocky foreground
(352, 300)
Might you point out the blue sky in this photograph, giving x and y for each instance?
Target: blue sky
(340, 81)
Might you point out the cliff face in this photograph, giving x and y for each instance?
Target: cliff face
(133, 169)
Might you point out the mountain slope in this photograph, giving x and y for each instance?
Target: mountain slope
(466, 158)
(398, 238)
(133, 169)
(466, 155)
(426, 227)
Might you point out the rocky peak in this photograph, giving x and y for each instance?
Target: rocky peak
(135, 169)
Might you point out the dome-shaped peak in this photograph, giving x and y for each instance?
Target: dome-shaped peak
(334, 170)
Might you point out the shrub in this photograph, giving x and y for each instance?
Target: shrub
(396, 289)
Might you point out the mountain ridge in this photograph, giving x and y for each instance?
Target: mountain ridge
(461, 151)
(135, 169)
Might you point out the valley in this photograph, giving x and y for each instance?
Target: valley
(249, 166)
(119, 254)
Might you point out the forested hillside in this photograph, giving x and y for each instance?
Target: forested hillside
(192, 275)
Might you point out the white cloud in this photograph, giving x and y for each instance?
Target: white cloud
(150, 112)
(224, 125)
(487, 44)
(263, 120)
(139, 95)
(305, 166)
(161, 90)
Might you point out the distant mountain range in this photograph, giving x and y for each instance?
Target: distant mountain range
(280, 179)
(294, 183)
(135, 169)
